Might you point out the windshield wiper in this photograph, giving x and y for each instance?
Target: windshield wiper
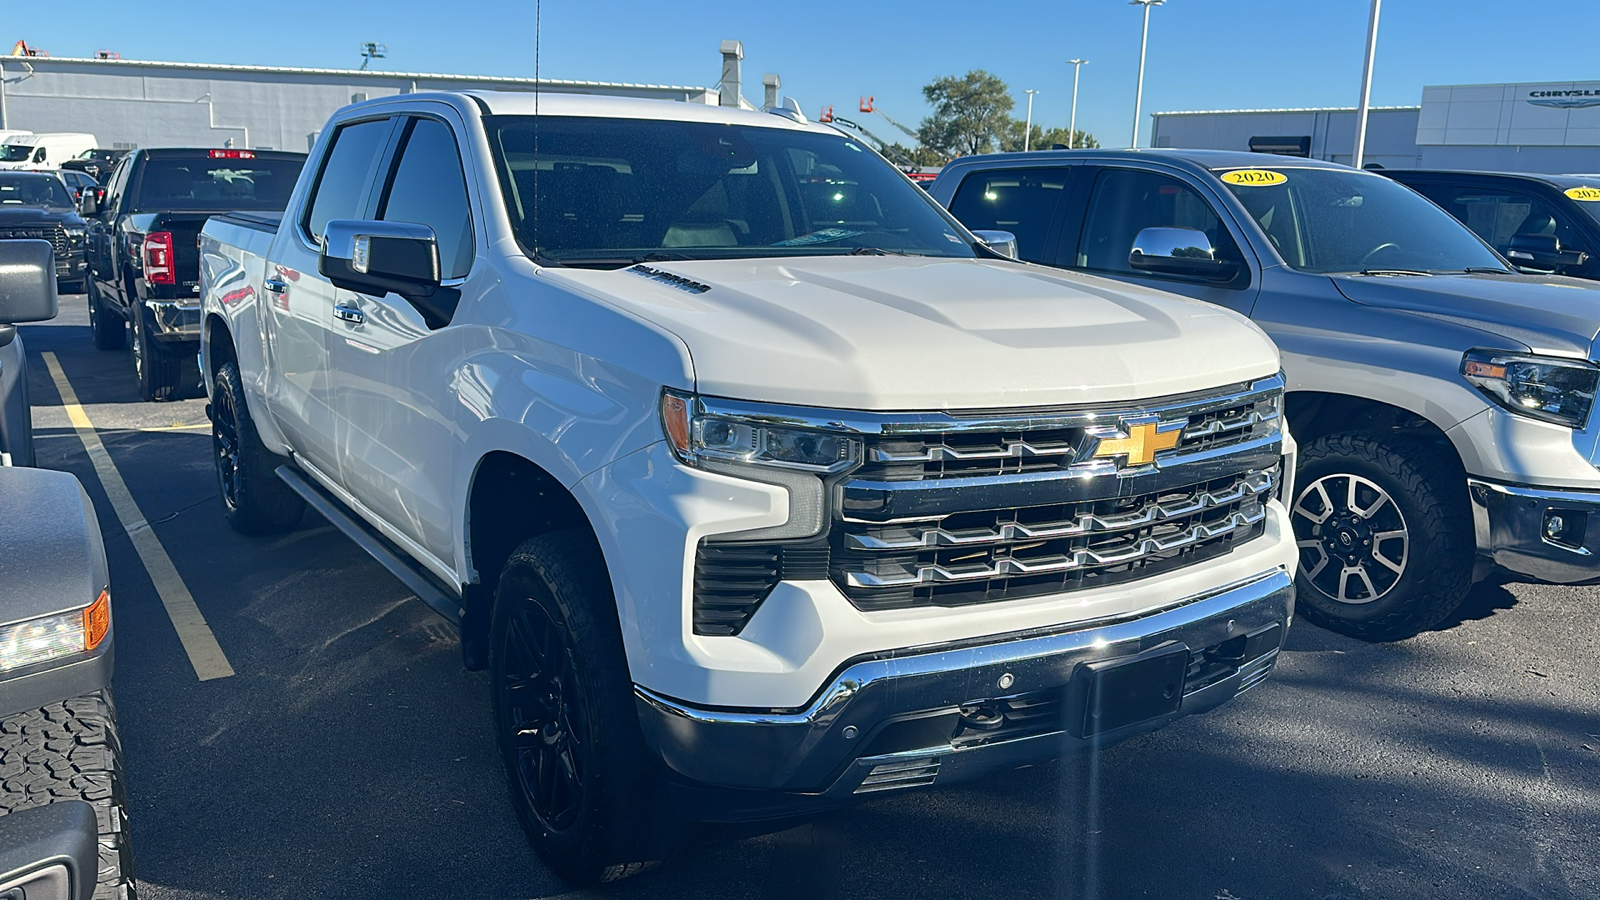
(1486, 270)
(1394, 272)
(876, 251)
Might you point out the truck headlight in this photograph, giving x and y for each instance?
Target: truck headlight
(55, 637)
(763, 444)
(1539, 387)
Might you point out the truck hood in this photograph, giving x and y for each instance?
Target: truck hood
(1548, 314)
(25, 216)
(885, 333)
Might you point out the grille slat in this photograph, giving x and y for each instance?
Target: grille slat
(55, 234)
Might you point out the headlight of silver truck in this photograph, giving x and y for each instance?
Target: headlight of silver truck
(55, 637)
(1546, 388)
(769, 445)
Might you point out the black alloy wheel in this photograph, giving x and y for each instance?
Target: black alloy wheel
(225, 445)
(1356, 545)
(539, 718)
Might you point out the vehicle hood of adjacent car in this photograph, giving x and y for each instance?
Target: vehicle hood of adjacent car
(1547, 313)
(904, 333)
(22, 216)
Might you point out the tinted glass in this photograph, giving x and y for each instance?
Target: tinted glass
(33, 190)
(1021, 201)
(1332, 220)
(347, 173)
(1127, 201)
(15, 152)
(1499, 215)
(430, 189)
(606, 192)
(205, 183)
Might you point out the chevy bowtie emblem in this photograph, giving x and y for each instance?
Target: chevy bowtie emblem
(1141, 445)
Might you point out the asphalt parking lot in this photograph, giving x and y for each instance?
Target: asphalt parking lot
(350, 754)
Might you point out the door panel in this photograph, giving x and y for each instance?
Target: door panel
(1125, 201)
(300, 301)
(391, 399)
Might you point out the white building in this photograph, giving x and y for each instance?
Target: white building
(128, 103)
(1545, 127)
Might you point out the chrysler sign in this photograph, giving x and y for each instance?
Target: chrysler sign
(1575, 99)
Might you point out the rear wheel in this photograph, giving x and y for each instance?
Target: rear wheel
(1384, 535)
(587, 791)
(254, 499)
(157, 368)
(70, 751)
(108, 328)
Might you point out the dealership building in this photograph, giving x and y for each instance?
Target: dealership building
(128, 103)
(1548, 127)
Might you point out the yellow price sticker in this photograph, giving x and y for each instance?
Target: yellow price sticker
(1586, 194)
(1254, 177)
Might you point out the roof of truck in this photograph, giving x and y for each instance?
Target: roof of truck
(1205, 159)
(527, 103)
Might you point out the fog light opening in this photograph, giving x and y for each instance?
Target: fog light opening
(1565, 527)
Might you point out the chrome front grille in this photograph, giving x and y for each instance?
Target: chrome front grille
(55, 234)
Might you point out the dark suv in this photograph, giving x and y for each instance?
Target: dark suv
(1544, 223)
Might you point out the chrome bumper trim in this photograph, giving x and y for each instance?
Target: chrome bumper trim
(1509, 527)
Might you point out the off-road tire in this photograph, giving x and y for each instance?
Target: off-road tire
(621, 824)
(158, 370)
(109, 330)
(1428, 487)
(254, 499)
(70, 751)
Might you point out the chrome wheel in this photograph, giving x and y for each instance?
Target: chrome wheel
(1353, 539)
(136, 345)
(536, 713)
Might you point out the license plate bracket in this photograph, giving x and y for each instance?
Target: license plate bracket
(1133, 689)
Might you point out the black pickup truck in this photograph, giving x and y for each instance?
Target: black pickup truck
(144, 264)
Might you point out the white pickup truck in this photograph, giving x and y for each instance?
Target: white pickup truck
(754, 479)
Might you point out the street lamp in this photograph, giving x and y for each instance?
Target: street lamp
(1027, 129)
(1072, 125)
(1144, 39)
(1366, 86)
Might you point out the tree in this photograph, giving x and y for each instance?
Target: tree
(971, 113)
(1043, 139)
(921, 156)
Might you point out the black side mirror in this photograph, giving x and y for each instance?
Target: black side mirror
(379, 258)
(27, 282)
(1179, 251)
(1543, 251)
(50, 852)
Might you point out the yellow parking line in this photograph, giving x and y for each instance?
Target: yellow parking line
(205, 654)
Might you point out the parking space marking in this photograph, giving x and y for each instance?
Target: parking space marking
(205, 654)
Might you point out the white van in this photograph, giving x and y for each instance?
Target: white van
(13, 135)
(44, 151)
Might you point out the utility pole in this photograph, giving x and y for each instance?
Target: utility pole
(1144, 40)
(1072, 126)
(1027, 129)
(1366, 86)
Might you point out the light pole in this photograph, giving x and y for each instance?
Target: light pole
(1144, 39)
(1027, 129)
(1072, 124)
(1366, 86)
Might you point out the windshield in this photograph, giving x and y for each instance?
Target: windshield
(15, 152)
(611, 192)
(1329, 220)
(33, 190)
(205, 183)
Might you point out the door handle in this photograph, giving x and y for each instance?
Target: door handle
(274, 286)
(349, 314)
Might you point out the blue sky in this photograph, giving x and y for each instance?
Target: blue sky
(1204, 54)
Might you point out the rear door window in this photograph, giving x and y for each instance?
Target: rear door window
(430, 189)
(1021, 201)
(342, 185)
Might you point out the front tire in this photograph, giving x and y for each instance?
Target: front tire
(587, 791)
(254, 499)
(1384, 534)
(109, 330)
(65, 751)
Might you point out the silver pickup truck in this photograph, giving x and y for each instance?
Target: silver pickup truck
(1443, 400)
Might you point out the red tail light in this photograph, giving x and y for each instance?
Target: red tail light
(158, 258)
(233, 154)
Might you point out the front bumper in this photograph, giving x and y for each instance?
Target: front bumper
(912, 718)
(1548, 535)
(70, 266)
(174, 320)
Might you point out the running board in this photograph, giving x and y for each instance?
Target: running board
(411, 574)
